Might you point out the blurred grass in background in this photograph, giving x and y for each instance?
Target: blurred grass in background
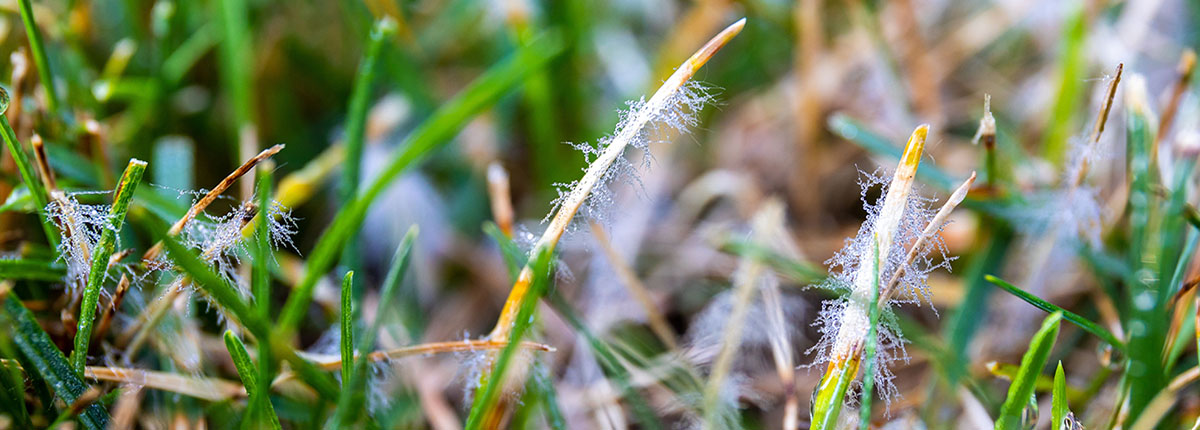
(392, 113)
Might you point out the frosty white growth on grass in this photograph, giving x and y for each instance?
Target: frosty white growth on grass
(81, 226)
(641, 124)
(897, 221)
(672, 107)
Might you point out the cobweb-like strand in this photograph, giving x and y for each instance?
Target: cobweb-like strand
(81, 226)
(845, 320)
(642, 124)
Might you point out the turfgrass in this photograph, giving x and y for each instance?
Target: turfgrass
(749, 240)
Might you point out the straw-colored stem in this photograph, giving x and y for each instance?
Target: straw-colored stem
(211, 389)
(153, 253)
(500, 197)
(335, 362)
(930, 231)
(596, 171)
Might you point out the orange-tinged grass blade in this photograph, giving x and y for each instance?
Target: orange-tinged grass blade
(595, 172)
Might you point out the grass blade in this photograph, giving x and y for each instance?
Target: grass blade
(351, 396)
(486, 399)
(1021, 390)
(1074, 318)
(346, 343)
(40, 59)
(868, 390)
(433, 133)
(43, 357)
(100, 256)
(26, 169)
(259, 406)
(1058, 408)
(33, 270)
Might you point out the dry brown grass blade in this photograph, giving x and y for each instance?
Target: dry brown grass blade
(113, 306)
(126, 408)
(500, 196)
(658, 323)
(153, 253)
(935, 225)
(1101, 121)
(212, 389)
(43, 164)
(333, 362)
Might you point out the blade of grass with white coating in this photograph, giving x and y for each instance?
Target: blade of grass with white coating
(845, 355)
(631, 127)
(1032, 363)
(43, 357)
(1074, 318)
(436, 131)
(258, 408)
(100, 256)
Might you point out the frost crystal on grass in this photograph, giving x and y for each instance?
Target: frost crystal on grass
(640, 125)
(80, 226)
(843, 322)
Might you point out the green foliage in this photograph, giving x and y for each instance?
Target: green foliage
(1032, 363)
(101, 254)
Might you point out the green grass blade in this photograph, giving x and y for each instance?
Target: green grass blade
(346, 342)
(514, 258)
(33, 270)
(1074, 318)
(44, 358)
(100, 256)
(391, 284)
(868, 391)
(260, 277)
(1146, 288)
(40, 59)
(1021, 390)
(1058, 408)
(259, 406)
(433, 133)
(486, 399)
(799, 271)
(1062, 122)
(21, 159)
(356, 117)
(236, 62)
(350, 400)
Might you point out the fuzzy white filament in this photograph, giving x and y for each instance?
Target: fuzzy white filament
(855, 317)
(674, 105)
